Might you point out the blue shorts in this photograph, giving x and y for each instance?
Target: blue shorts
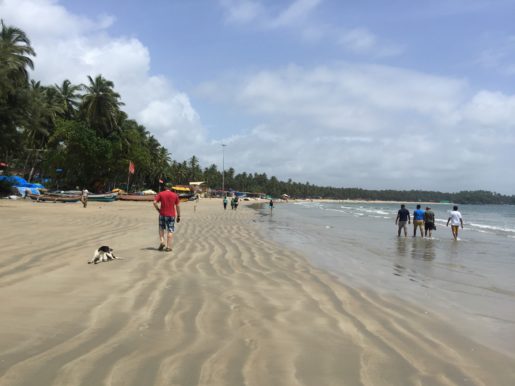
(167, 222)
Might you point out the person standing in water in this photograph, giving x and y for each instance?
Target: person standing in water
(271, 205)
(456, 220)
(429, 221)
(418, 221)
(403, 218)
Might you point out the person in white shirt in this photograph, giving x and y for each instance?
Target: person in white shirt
(84, 197)
(456, 220)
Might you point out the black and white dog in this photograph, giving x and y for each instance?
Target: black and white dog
(104, 253)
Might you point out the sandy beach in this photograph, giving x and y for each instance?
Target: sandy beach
(226, 307)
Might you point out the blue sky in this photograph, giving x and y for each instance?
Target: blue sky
(373, 94)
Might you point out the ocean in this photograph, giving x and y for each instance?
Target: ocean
(469, 282)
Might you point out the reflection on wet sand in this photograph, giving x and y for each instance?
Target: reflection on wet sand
(418, 250)
(423, 249)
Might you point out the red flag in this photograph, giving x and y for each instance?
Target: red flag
(131, 167)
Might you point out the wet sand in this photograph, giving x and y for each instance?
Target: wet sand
(226, 307)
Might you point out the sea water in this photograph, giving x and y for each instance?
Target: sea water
(471, 282)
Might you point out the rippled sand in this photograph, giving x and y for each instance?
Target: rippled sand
(226, 307)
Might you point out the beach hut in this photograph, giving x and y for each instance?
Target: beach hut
(199, 187)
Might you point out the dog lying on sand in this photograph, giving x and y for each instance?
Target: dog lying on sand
(104, 253)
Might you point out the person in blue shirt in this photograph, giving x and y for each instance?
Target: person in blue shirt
(418, 221)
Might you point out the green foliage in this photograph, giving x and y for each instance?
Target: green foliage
(81, 154)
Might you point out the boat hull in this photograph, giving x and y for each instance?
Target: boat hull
(50, 198)
(109, 197)
(136, 197)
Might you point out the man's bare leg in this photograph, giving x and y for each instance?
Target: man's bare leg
(161, 238)
(455, 231)
(169, 240)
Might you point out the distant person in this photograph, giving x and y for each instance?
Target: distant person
(169, 213)
(236, 202)
(197, 200)
(225, 202)
(418, 221)
(271, 205)
(232, 203)
(456, 220)
(403, 218)
(84, 197)
(429, 222)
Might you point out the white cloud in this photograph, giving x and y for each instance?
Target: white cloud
(242, 11)
(298, 17)
(71, 47)
(362, 41)
(373, 126)
(500, 54)
(295, 13)
(491, 109)
(245, 11)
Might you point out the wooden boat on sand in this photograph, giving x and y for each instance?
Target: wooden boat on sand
(53, 198)
(105, 197)
(136, 197)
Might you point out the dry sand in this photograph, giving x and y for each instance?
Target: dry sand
(226, 307)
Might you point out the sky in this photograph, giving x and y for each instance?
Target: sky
(372, 94)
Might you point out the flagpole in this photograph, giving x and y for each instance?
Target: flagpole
(129, 175)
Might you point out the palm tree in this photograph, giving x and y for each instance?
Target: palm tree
(15, 50)
(41, 112)
(68, 97)
(100, 105)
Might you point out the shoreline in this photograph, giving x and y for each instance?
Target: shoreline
(223, 308)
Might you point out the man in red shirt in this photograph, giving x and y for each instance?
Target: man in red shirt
(167, 216)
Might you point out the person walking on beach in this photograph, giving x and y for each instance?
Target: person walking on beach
(84, 197)
(418, 221)
(235, 202)
(271, 205)
(429, 221)
(225, 202)
(403, 218)
(167, 205)
(456, 220)
(232, 203)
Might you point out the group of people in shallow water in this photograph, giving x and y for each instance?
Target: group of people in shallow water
(424, 220)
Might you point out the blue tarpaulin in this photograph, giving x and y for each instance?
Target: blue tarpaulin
(22, 189)
(19, 182)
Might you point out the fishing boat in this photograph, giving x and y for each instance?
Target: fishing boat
(136, 197)
(105, 197)
(53, 198)
(185, 193)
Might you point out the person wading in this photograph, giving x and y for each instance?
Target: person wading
(403, 217)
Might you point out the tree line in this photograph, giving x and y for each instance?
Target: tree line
(70, 135)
